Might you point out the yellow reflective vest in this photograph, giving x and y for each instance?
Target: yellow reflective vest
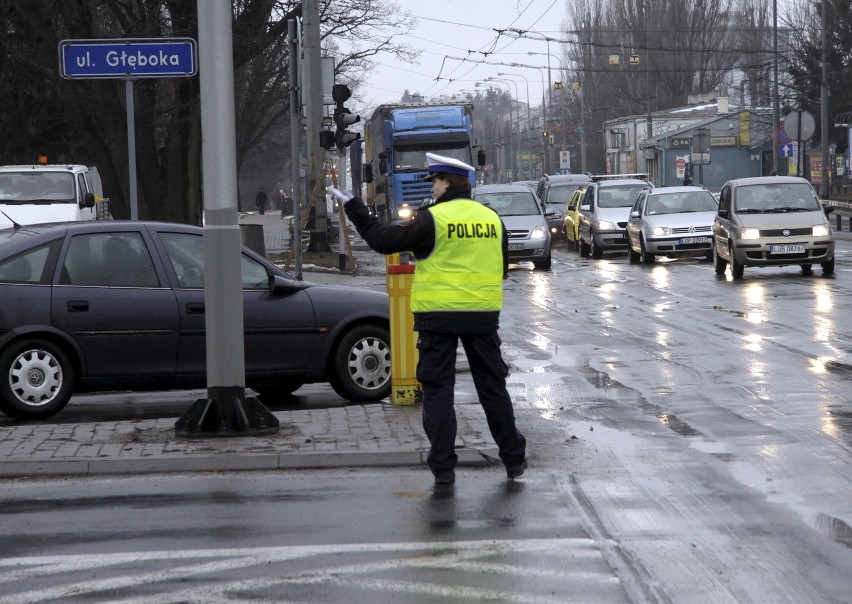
(464, 272)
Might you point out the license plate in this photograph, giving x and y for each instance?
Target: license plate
(516, 247)
(787, 248)
(689, 240)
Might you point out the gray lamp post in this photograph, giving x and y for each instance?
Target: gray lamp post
(529, 119)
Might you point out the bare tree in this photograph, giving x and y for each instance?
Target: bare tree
(84, 121)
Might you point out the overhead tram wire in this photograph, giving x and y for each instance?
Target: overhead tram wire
(493, 46)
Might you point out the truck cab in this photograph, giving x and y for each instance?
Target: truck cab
(33, 194)
(397, 139)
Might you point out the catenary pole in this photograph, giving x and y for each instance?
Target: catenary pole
(226, 411)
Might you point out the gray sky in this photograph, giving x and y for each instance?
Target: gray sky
(467, 29)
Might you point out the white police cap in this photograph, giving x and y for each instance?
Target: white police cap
(439, 164)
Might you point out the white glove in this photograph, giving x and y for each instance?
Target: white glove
(342, 196)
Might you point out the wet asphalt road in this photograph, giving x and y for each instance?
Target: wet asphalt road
(690, 441)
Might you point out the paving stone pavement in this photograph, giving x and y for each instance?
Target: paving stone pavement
(379, 434)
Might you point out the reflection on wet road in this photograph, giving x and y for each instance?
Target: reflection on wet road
(752, 375)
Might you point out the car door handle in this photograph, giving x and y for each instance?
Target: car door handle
(78, 306)
(195, 308)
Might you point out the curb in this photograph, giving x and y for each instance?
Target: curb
(12, 468)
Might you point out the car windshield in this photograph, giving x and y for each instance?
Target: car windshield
(561, 195)
(619, 197)
(776, 197)
(31, 186)
(509, 203)
(412, 158)
(675, 203)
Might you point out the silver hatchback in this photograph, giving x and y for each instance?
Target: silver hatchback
(518, 208)
(771, 221)
(671, 221)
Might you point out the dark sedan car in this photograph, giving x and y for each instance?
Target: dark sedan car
(104, 305)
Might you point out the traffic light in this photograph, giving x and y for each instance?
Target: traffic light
(343, 117)
(327, 139)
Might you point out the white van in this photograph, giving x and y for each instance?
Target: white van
(50, 193)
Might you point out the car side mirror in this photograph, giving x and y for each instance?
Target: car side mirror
(585, 208)
(368, 173)
(828, 209)
(480, 157)
(283, 285)
(549, 211)
(723, 213)
(383, 166)
(88, 201)
(634, 214)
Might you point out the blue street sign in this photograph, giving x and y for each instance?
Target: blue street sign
(786, 150)
(127, 58)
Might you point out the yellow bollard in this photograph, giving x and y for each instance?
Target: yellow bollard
(405, 389)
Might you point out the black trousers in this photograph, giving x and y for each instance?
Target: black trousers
(436, 371)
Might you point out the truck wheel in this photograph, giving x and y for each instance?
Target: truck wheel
(360, 368)
(828, 267)
(37, 379)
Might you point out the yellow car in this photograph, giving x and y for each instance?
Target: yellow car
(571, 219)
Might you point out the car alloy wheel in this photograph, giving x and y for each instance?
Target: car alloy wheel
(737, 269)
(38, 379)
(719, 264)
(361, 365)
(595, 249)
(632, 255)
(645, 256)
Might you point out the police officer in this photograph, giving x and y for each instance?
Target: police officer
(461, 252)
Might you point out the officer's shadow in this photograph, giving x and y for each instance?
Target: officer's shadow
(452, 508)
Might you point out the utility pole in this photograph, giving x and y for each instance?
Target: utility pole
(295, 135)
(776, 102)
(312, 94)
(823, 123)
(226, 411)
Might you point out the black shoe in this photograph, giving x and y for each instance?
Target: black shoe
(515, 470)
(445, 477)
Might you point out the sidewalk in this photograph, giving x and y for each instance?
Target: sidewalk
(378, 434)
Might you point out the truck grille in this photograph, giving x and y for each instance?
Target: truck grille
(415, 191)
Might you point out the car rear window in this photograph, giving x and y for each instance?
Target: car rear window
(618, 197)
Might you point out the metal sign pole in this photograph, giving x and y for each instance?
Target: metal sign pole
(131, 148)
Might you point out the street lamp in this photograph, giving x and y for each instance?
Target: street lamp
(512, 155)
(529, 119)
(544, 143)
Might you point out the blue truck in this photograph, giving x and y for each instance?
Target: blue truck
(396, 140)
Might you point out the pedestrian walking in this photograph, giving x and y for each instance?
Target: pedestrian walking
(260, 200)
(461, 251)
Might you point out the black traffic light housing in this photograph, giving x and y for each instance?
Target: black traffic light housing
(343, 117)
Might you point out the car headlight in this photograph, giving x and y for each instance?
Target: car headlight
(821, 230)
(749, 233)
(404, 213)
(661, 231)
(604, 225)
(538, 232)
